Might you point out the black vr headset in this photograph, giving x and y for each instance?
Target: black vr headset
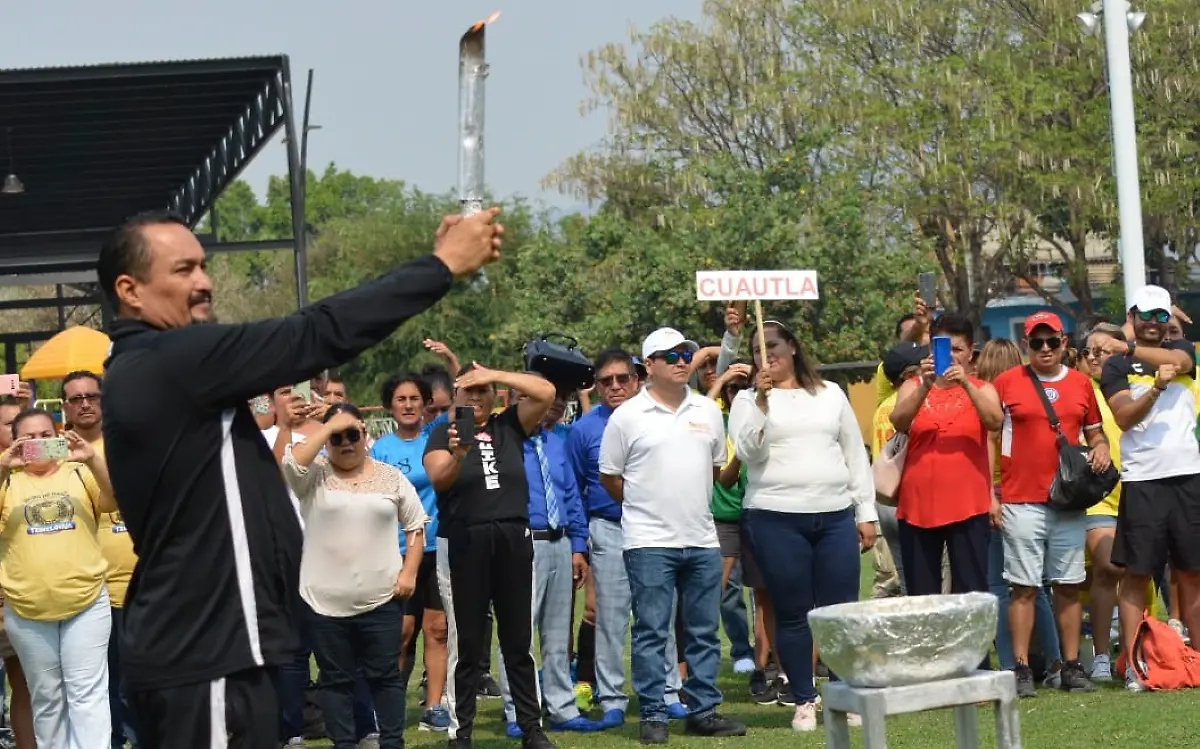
(563, 364)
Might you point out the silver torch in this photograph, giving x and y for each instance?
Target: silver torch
(472, 74)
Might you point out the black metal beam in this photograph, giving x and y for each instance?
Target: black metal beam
(61, 75)
(8, 305)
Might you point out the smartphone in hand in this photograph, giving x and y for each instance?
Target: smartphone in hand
(304, 390)
(927, 289)
(10, 384)
(464, 424)
(51, 448)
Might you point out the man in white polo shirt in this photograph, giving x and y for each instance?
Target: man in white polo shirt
(659, 456)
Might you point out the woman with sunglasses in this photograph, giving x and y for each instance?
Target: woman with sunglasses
(351, 573)
(810, 500)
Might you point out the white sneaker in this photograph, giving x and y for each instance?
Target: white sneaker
(854, 720)
(805, 718)
(1132, 683)
(296, 741)
(1101, 668)
(1180, 630)
(743, 666)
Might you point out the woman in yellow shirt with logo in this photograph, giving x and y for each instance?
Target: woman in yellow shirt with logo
(52, 572)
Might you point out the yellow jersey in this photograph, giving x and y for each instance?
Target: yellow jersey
(51, 566)
(117, 547)
(882, 429)
(1110, 504)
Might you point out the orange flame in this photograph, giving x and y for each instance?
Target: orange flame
(490, 19)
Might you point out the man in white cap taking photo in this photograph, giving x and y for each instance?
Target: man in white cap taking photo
(1148, 385)
(660, 454)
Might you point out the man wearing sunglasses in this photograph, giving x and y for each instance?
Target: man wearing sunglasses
(660, 454)
(1040, 542)
(1148, 383)
(617, 381)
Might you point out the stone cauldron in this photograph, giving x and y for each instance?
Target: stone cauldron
(890, 642)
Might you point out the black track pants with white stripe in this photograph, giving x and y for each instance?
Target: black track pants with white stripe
(240, 711)
(489, 564)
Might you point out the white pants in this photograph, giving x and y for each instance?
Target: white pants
(66, 667)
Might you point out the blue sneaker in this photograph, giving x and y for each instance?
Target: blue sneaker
(436, 718)
(513, 731)
(612, 719)
(677, 711)
(578, 724)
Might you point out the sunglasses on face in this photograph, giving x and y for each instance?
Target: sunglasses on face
(608, 380)
(674, 357)
(1037, 344)
(348, 437)
(78, 400)
(1160, 316)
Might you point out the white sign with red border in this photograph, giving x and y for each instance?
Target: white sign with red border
(751, 285)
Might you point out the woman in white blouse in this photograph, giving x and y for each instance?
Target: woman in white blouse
(351, 572)
(809, 507)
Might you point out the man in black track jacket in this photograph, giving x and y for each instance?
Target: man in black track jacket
(214, 600)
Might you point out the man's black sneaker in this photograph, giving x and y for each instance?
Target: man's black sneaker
(536, 739)
(458, 744)
(1074, 679)
(714, 725)
(653, 732)
(762, 690)
(783, 693)
(1026, 686)
(822, 671)
(488, 687)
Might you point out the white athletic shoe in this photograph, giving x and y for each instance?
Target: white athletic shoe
(805, 718)
(1101, 668)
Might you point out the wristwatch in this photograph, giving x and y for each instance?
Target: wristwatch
(1131, 345)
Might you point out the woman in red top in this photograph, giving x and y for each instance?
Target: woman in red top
(946, 486)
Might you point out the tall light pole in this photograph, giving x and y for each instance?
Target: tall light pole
(1119, 22)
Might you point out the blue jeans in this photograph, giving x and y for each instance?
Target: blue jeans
(807, 560)
(291, 681)
(1044, 625)
(733, 617)
(118, 706)
(367, 643)
(605, 540)
(654, 577)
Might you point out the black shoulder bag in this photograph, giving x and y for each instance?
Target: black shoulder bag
(1076, 486)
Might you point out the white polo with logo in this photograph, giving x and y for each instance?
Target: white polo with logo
(666, 459)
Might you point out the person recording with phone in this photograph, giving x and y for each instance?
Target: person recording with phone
(476, 463)
(946, 485)
(53, 491)
(352, 575)
(214, 605)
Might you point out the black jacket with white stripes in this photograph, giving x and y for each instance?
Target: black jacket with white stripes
(216, 587)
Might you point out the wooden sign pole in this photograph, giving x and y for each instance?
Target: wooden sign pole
(762, 335)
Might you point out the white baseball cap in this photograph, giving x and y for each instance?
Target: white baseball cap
(1150, 298)
(665, 339)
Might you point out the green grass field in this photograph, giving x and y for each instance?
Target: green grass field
(1106, 718)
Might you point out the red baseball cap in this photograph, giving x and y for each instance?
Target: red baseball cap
(1049, 319)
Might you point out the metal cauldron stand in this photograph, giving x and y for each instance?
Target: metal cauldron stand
(962, 695)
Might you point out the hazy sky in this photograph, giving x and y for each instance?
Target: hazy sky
(385, 90)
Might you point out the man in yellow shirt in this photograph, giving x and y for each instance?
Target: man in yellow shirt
(20, 709)
(82, 412)
(910, 328)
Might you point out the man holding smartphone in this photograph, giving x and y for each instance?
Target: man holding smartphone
(214, 601)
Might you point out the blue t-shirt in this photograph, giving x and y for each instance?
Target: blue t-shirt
(407, 455)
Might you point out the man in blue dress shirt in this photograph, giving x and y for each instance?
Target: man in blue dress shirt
(560, 536)
(616, 382)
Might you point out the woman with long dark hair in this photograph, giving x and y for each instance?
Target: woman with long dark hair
(809, 507)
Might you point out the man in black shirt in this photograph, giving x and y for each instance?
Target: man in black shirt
(214, 599)
(484, 546)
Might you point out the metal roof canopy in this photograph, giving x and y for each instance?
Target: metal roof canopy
(94, 145)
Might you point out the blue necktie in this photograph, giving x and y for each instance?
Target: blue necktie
(539, 446)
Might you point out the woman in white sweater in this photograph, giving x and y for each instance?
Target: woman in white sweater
(810, 501)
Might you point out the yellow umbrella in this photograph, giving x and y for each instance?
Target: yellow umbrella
(71, 350)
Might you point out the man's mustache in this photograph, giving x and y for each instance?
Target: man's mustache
(202, 297)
